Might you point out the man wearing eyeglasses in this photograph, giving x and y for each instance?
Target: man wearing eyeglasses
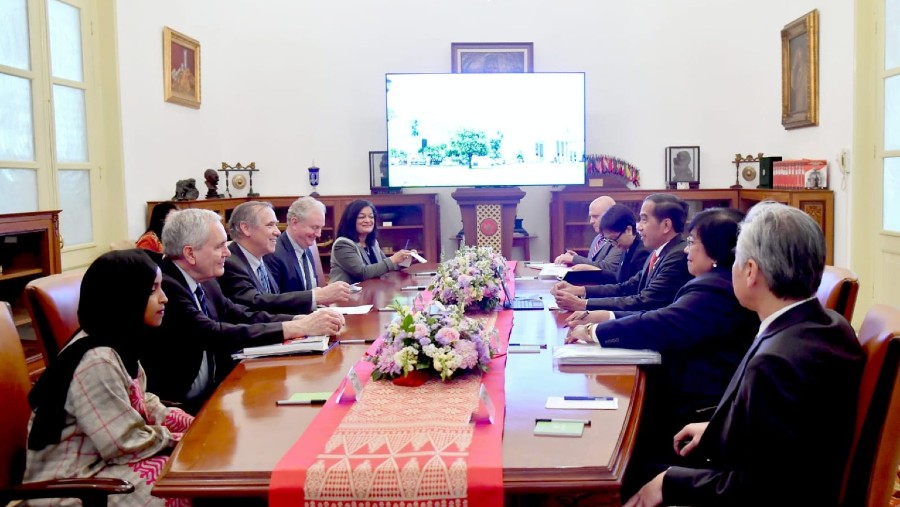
(603, 254)
(662, 220)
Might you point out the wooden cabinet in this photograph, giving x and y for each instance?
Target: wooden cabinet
(29, 248)
(570, 228)
(412, 218)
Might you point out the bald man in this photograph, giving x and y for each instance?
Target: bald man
(602, 255)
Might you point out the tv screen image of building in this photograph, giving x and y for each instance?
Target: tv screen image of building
(459, 130)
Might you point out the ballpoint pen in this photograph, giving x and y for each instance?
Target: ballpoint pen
(358, 340)
(406, 246)
(588, 398)
(586, 422)
(538, 345)
(300, 402)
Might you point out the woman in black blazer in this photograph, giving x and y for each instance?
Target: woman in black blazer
(619, 227)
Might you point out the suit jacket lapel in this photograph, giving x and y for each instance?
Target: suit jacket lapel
(239, 255)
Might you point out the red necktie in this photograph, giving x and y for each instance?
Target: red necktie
(652, 262)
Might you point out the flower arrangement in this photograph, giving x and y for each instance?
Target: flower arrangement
(440, 343)
(470, 280)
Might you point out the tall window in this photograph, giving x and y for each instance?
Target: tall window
(46, 159)
(891, 155)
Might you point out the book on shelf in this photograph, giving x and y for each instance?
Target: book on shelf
(590, 354)
(306, 345)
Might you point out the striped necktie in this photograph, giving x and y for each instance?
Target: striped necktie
(595, 247)
(263, 278)
(201, 298)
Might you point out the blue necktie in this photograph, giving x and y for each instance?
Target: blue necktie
(201, 298)
(264, 278)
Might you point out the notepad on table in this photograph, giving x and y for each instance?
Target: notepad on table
(313, 398)
(307, 345)
(586, 354)
(559, 428)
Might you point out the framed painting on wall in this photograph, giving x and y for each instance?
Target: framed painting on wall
(683, 167)
(181, 69)
(482, 57)
(800, 72)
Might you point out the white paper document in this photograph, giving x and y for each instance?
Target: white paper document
(352, 310)
(581, 353)
(539, 265)
(554, 271)
(583, 402)
(416, 256)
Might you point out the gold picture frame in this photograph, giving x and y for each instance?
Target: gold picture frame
(484, 57)
(181, 69)
(800, 72)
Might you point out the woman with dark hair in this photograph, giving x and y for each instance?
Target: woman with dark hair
(619, 227)
(702, 337)
(355, 254)
(150, 239)
(92, 417)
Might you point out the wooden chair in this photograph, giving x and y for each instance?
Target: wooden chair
(53, 304)
(875, 451)
(838, 290)
(14, 386)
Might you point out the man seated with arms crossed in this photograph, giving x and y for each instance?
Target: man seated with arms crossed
(293, 265)
(254, 231)
(191, 351)
(661, 223)
(781, 433)
(603, 254)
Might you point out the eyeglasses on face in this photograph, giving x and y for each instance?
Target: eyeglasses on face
(614, 241)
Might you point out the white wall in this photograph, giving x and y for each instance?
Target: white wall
(286, 82)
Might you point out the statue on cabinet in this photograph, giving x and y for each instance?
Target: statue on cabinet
(211, 177)
(186, 190)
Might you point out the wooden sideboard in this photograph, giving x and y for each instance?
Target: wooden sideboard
(570, 228)
(413, 218)
(30, 247)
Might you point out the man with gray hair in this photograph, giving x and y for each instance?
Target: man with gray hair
(602, 255)
(293, 265)
(247, 280)
(787, 417)
(190, 352)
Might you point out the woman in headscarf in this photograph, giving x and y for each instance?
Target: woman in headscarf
(92, 417)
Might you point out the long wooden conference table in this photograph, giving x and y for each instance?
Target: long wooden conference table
(239, 436)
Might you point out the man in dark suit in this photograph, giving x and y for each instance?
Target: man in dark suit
(190, 352)
(781, 433)
(254, 231)
(603, 255)
(292, 265)
(662, 220)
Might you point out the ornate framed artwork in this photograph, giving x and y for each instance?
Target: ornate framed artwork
(181, 69)
(683, 167)
(800, 72)
(482, 57)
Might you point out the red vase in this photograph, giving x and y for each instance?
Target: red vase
(414, 378)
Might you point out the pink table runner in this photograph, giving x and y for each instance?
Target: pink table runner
(409, 447)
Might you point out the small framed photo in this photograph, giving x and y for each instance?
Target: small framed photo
(181, 69)
(683, 167)
(378, 170)
(484, 57)
(800, 72)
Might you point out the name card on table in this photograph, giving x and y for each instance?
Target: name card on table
(352, 387)
(485, 409)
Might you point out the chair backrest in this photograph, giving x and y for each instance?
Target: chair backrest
(14, 386)
(875, 451)
(53, 304)
(838, 290)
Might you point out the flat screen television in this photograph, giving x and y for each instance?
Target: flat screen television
(465, 130)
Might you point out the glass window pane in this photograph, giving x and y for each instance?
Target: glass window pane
(18, 190)
(65, 41)
(891, 34)
(16, 124)
(71, 125)
(75, 222)
(14, 34)
(892, 194)
(892, 113)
